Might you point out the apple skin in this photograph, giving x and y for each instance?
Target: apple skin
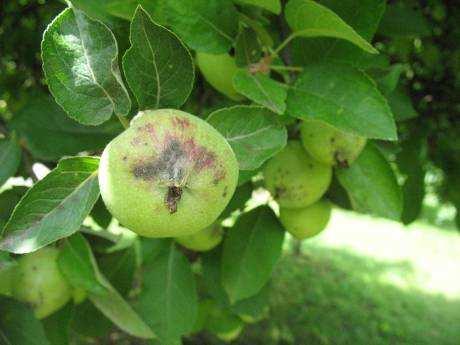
(306, 222)
(330, 145)
(170, 174)
(79, 295)
(203, 240)
(221, 322)
(294, 178)
(39, 282)
(218, 70)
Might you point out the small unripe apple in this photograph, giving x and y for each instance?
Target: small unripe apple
(79, 295)
(218, 70)
(221, 322)
(39, 282)
(294, 178)
(203, 240)
(306, 222)
(330, 145)
(169, 174)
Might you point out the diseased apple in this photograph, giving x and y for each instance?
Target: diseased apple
(170, 174)
(330, 145)
(218, 70)
(203, 240)
(306, 222)
(38, 282)
(294, 178)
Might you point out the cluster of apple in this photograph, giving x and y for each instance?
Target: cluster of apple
(171, 174)
(299, 176)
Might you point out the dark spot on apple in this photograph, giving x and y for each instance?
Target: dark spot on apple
(125, 158)
(219, 175)
(224, 194)
(172, 198)
(169, 167)
(181, 123)
(279, 192)
(342, 163)
(173, 165)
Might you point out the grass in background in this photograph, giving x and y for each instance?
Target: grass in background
(366, 281)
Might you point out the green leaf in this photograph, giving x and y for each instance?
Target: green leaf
(158, 67)
(251, 250)
(403, 19)
(401, 104)
(122, 8)
(80, 64)
(363, 16)
(410, 163)
(211, 263)
(53, 208)
(100, 214)
(18, 324)
(254, 133)
(248, 49)
(371, 184)
(208, 26)
(262, 90)
(388, 80)
(344, 97)
(77, 264)
(238, 201)
(310, 19)
(119, 268)
(8, 200)
(168, 300)
(10, 157)
(88, 321)
(269, 5)
(115, 308)
(253, 308)
(152, 247)
(50, 134)
(57, 325)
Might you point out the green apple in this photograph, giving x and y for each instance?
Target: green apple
(221, 322)
(218, 70)
(39, 282)
(6, 279)
(169, 174)
(203, 240)
(79, 295)
(308, 221)
(294, 178)
(330, 145)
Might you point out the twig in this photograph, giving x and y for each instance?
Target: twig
(124, 121)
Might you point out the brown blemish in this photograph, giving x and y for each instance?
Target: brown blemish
(181, 123)
(342, 163)
(225, 193)
(173, 164)
(219, 175)
(279, 192)
(172, 198)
